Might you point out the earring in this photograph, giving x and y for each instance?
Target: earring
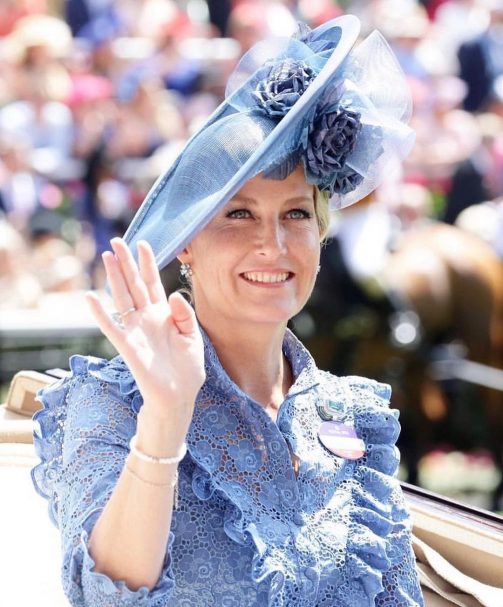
(185, 270)
(318, 270)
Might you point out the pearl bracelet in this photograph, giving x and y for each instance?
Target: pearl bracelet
(157, 460)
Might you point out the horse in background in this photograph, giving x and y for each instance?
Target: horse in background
(439, 285)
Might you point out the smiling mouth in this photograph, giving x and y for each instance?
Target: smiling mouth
(267, 277)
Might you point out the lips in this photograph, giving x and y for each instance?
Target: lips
(267, 277)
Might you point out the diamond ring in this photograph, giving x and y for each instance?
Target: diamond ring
(118, 317)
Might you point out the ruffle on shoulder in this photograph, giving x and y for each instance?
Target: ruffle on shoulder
(51, 419)
(113, 372)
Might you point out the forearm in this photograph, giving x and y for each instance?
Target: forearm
(129, 539)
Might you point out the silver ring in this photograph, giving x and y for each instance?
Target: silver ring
(118, 317)
(127, 312)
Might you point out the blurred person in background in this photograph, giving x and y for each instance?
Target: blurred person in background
(219, 11)
(486, 218)
(460, 22)
(52, 259)
(20, 186)
(478, 177)
(36, 111)
(90, 99)
(80, 13)
(481, 59)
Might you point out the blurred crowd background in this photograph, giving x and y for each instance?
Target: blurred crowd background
(97, 97)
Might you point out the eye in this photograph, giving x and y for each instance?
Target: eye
(299, 214)
(238, 214)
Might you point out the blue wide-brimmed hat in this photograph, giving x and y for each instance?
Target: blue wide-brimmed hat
(313, 98)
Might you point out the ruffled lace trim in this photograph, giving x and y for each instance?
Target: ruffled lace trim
(48, 437)
(242, 530)
(239, 525)
(98, 585)
(369, 548)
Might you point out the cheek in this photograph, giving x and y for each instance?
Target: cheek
(210, 264)
(307, 244)
(218, 241)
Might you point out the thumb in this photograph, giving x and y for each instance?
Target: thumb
(182, 314)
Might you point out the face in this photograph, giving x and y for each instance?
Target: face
(256, 260)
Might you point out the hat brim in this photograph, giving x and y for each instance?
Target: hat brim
(145, 224)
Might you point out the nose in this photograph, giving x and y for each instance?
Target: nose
(271, 238)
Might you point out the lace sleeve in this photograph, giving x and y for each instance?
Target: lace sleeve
(82, 440)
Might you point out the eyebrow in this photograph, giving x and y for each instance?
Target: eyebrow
(254, 202)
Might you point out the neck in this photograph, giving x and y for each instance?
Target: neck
(253, 358)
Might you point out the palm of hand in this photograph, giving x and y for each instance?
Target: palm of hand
(159, 340)
(162, 359)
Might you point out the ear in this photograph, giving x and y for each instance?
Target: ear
(184, 256)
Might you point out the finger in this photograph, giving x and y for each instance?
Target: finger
(136, 286)
(115, 278)
(108, 327)
(182, 314)
(150, 273)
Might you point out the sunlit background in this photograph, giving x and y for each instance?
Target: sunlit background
(97, 98)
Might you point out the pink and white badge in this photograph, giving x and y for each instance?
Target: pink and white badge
(341, 440)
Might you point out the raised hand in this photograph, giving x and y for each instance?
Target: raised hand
(159, 338)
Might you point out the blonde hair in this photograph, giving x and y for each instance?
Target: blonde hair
(322, 210)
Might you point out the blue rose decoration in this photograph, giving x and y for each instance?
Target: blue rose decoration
(343, 182)
(283, 87)
(328, 139)
(330, 132)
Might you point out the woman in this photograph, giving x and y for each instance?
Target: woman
(211, 463)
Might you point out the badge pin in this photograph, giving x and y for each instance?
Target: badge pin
(329, 410)
(341, 440)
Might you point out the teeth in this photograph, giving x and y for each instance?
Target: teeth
(266, 276)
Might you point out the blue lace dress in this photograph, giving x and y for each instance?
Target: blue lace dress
(246, 531)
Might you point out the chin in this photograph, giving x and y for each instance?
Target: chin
(270, 314)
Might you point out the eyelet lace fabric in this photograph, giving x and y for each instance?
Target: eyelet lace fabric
(246, 530)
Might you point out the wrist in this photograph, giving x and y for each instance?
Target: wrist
(157, 437)
(151, 459)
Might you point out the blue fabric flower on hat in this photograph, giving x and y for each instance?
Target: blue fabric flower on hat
(283, 87)
(330, 132)
(329, 137)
